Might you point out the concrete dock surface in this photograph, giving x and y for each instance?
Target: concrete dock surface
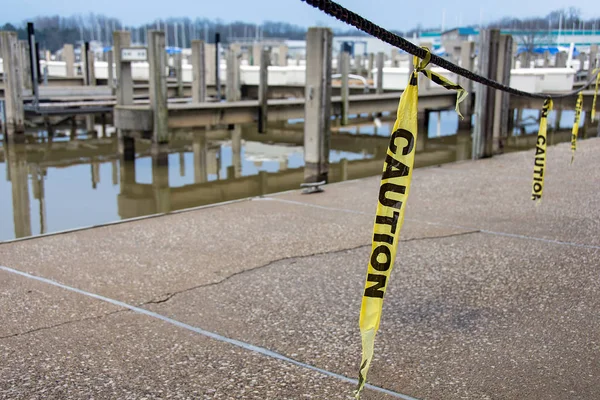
(492, 296)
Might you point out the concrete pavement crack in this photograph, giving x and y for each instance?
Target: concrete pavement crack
(43, 328)
(169, 296)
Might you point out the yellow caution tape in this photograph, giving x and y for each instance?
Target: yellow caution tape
(595, 94)
(393, 194)
(575, 129)
(461, 93)
(540, 153)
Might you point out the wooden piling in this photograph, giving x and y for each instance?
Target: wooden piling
(501, 99)
(263, 89)
(317, 108)
(111, 72)
(198, 72)
(379, 66)
(178, 64)
(484, 97)
(25, 65)
(546, 59)
(370, 66)
(561, 60)
(232, 88)
(13, 84)
(256, 53)
(282, 55)
(467, 60)
(358, 65)
(87, 60)
(394, 57)
(124, 90)
(345, 70)
(158, 85)
(593, 62)
(210, 64)
(68, 56)
(581, 59)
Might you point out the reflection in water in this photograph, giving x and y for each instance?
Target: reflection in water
(72, 179)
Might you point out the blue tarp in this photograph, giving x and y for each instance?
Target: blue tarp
(173, 50)
(551, 49)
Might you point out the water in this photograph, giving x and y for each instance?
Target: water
(65, 183)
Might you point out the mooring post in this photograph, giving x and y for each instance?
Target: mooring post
(379, 66)
(25, 66)
(111, 72)
(546, 59)
(345, 70)
(33, 61)
(593, 60)
(13, 85)
(263, 91)
(85, 50)
(256, 53)
(394, 57)
(89, 80)
(370, 66)
(358, 65)
(198, 72)
(218, 64)
(124, 90)
(178, 61)
(561, 60)
(467, 58)
(581, 59)
(501, 99)
(317, 108)
(232, 88)
(484, 98)
(158, 86)
(209, 64)
(282, 56)
(68, 56)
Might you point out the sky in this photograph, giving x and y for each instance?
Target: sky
(391, 14)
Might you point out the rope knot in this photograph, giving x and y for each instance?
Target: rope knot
(421, 64)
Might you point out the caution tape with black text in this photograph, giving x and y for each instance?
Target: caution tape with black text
(539, 167)
(575, 130)
(393, 194)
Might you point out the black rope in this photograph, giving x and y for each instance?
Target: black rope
(343, 14)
